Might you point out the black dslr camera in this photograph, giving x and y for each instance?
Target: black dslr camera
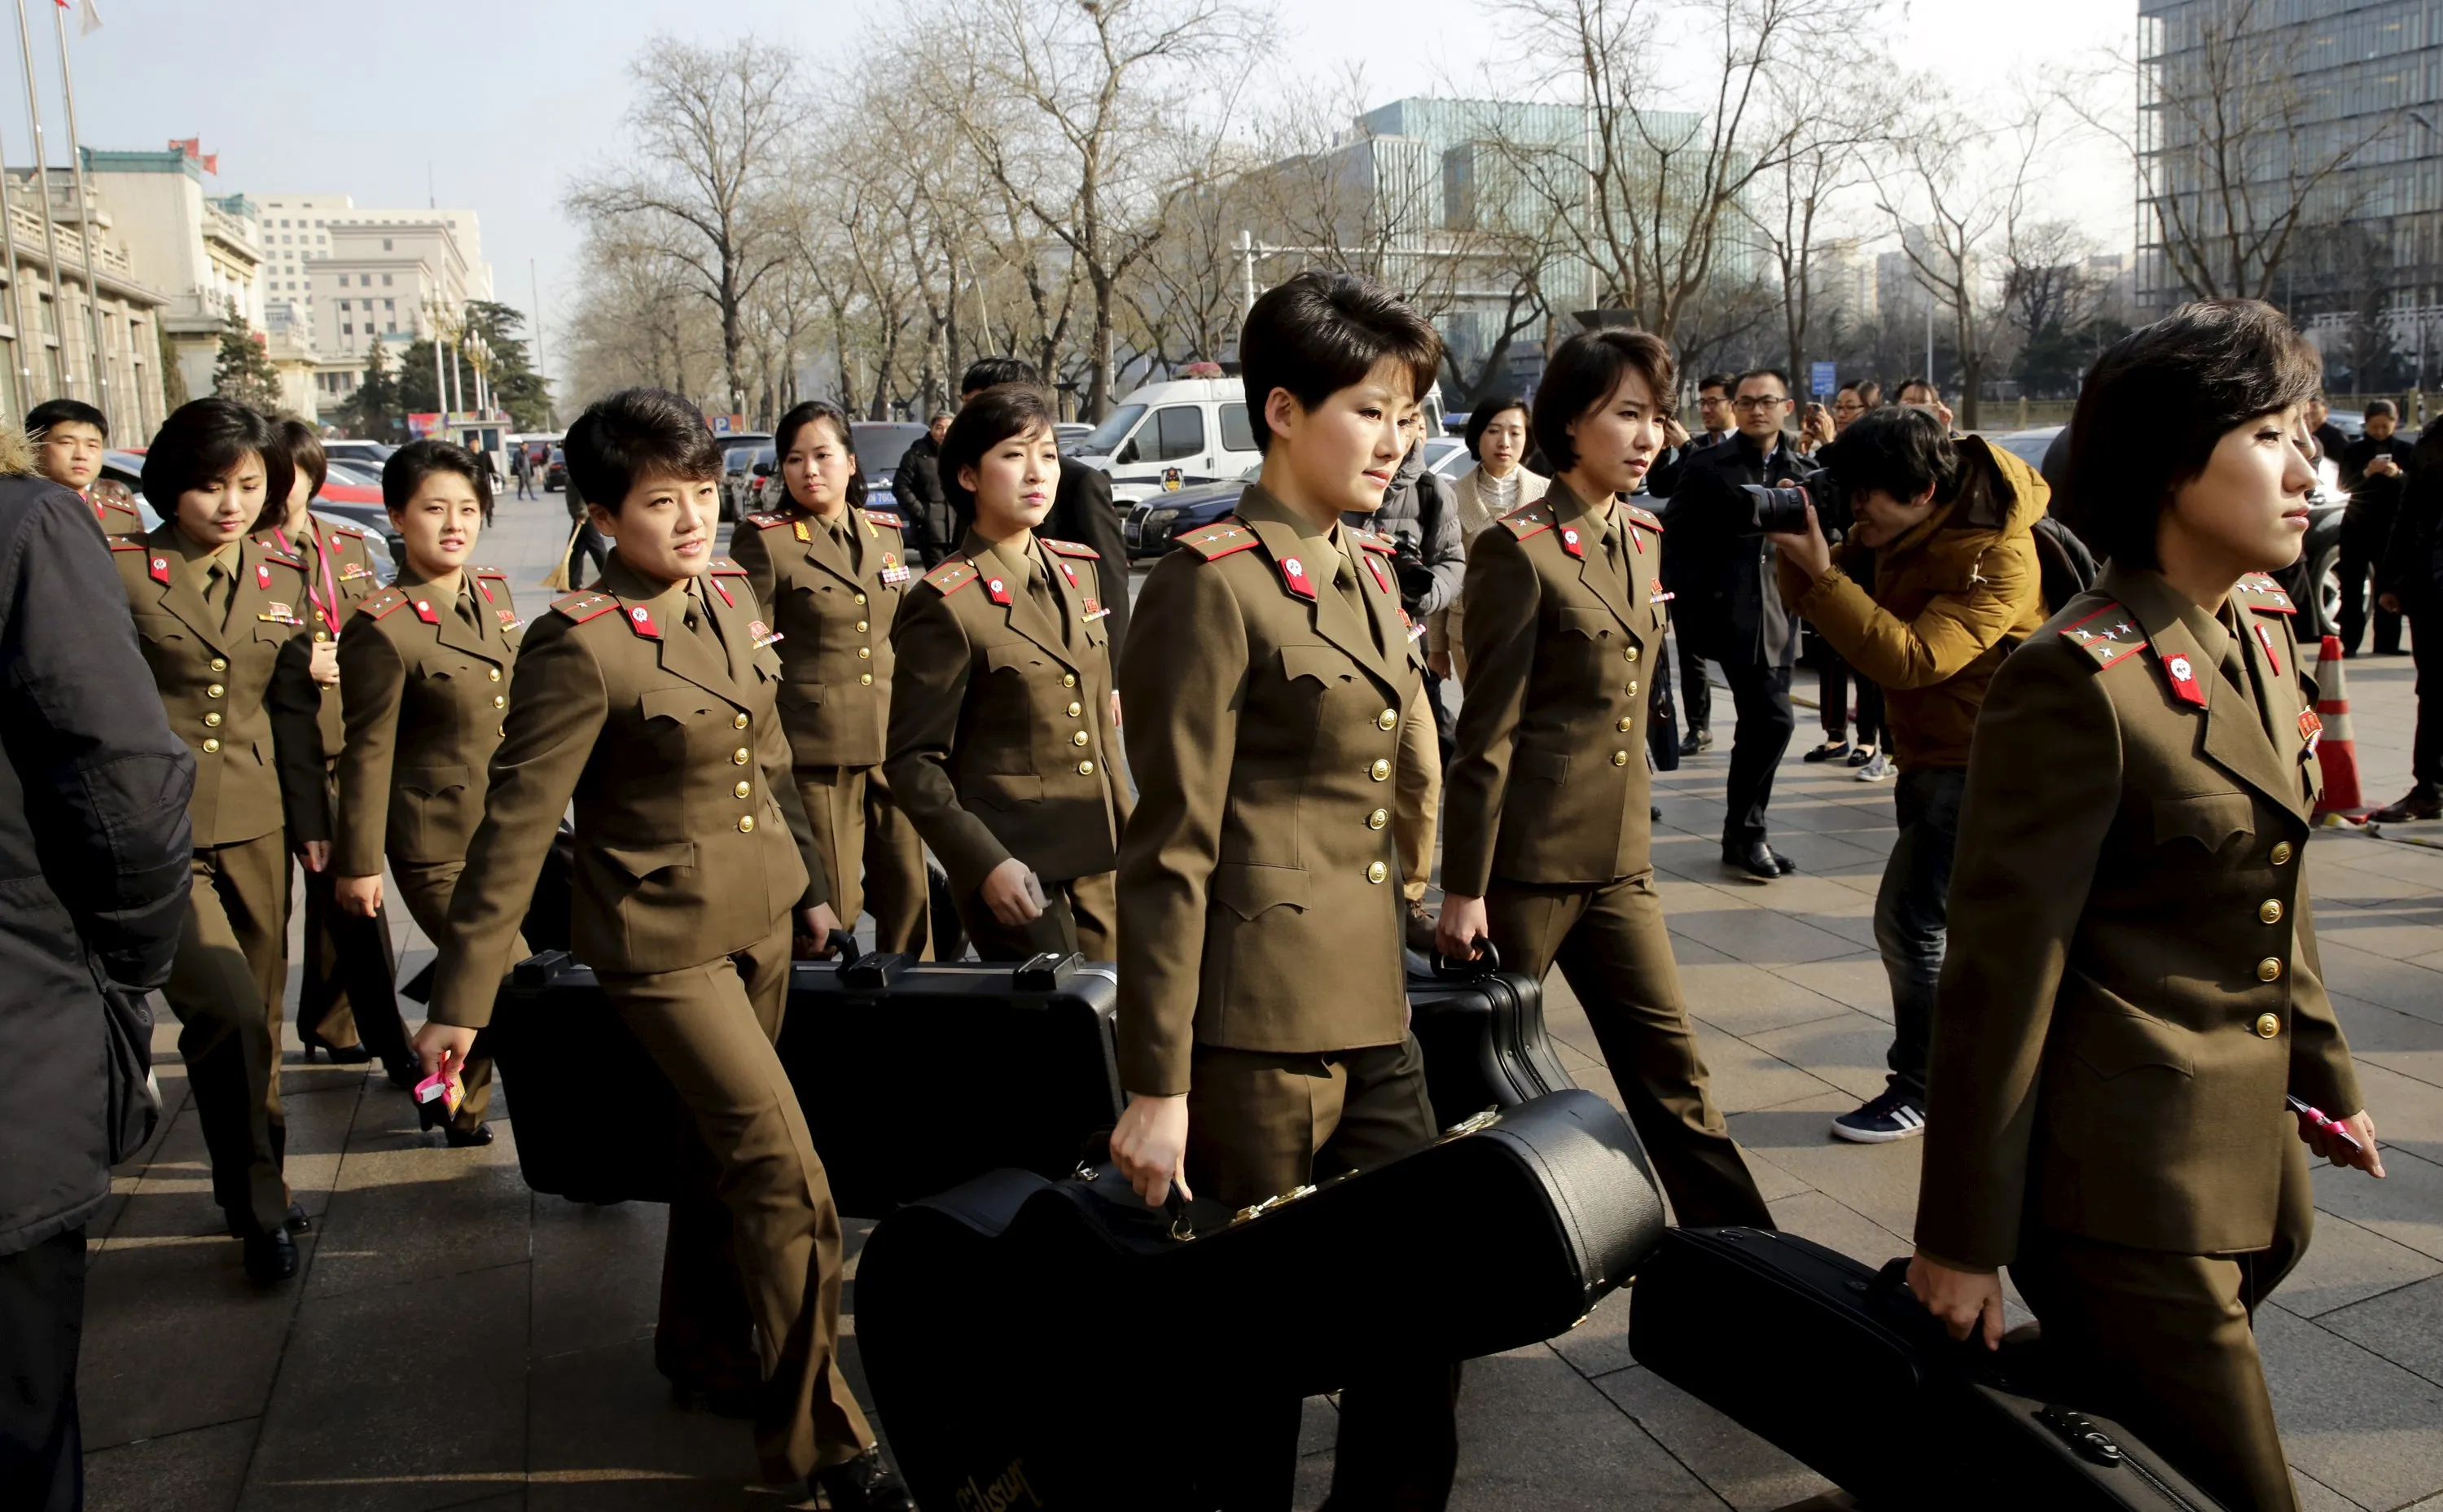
(1783, 511)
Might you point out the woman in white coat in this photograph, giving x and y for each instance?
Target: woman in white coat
(1499, 483)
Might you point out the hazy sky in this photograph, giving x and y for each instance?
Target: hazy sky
(505, 100)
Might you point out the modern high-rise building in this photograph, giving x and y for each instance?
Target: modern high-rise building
(348, 277)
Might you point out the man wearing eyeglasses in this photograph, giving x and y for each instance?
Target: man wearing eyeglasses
(1728, 609)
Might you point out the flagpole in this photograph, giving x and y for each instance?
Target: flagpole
(84, 230)
(25, 383)
(42, 174)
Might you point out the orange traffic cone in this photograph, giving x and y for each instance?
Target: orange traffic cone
(2337, 750)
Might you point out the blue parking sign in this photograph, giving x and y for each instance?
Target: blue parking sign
(1823, 379)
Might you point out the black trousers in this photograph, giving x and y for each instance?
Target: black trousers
(1696, 694)
(589, 543)
(2360, 550)
(2426, 645)
(1760, 693)
(1835, 680)
(41, 1323)
(348, 993)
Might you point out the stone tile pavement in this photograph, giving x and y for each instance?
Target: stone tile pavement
(455, 1340)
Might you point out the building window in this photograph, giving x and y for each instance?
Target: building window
(348, 328)
(390, 304)
(392, 327)
(385, 281)
(386, 244)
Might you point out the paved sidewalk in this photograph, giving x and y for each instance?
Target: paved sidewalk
(455, 1340)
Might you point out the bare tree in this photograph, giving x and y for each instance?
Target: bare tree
(711, 128)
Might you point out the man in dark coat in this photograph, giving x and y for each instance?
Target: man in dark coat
(1081, 507)
(1728, 609)
(1713, 415)
(931, 528)
(2375, 470)
(2409, 581)
(94, 854)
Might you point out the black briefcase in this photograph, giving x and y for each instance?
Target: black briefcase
(915, 1078)
(596, 1121)
(998, 1321)
(1839, 1366)
(1482, 1031)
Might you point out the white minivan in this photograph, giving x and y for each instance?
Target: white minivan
(1167, 436)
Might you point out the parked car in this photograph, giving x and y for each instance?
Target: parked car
(380, 544)
(1164, 437)
(879, 445)
(555, 473)
(737, 455)
(352, 482)
(742, 477)
(371, 452)
(1152, 526)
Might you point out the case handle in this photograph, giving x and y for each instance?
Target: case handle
(1485, 964)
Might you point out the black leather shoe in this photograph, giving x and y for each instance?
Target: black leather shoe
(1756, 861)
(340, 1054)
(270, 1258)
(1783, 862)
(294, 1220)
(466, 1139)
(863, 1485)
(1697, 740)
(2418, 802)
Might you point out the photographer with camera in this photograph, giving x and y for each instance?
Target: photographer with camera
(1419, 518)
(1718, 564)
(1956, 586)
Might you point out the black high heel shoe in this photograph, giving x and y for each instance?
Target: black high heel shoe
(341, 1054)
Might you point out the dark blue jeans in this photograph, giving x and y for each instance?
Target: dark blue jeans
(1912, 912)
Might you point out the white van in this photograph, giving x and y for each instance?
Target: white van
(1164, 437)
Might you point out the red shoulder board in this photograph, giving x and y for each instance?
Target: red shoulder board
(1528, 520)
(273, 554)
(120, 543)
(2110, 635)
(344, 530)
(1070, 548)
(2263, 594)
(582, 607)
(884, 517)
(382, 603)
(1375, 543)
(493, 572)
(1225, 535)
(952, 575)
(1645, 517)
(767, 522)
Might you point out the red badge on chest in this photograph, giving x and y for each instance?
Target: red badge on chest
(640, 619)
(2184, 680)
(2311, 729)
(1293, 574)
(161, 570)
(1572, 543)
(262, 576)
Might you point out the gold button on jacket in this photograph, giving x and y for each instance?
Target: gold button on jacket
(634, 721)
(252, 667)
(1255, 731)
(983, 754)
(2268, 1026)
(1538, 790)
(422, 723)
(2115, 855)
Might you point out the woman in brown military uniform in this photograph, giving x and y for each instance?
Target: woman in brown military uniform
(424, 675)
(1548, 832)
(1001, 714)
(830, 572)
(221, 617)
(349, 967)
(2132, 986)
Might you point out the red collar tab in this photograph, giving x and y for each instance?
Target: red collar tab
(996, 587)
(1066, 570)
(2184, 680)
(640, 619)
(2265, 638)
(262, 574)
(1571, 542)
(1382, 578)
(484, 588)
(1293, 574)
(726, 599)
(161, 570)
(425, 612)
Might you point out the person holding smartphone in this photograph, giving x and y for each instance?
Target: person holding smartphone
(2132, 989)
(1003, 726)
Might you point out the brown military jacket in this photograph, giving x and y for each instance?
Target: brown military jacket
(691, 841)
(1258, 891)
(1000, 719)
(833, 609)
(426, 691)
(2131, 983)
(240, 691)
(1550, 783)
(338, 577)
(116, 518)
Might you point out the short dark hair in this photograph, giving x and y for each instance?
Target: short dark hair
(1902, 450)
(1483, 415)
(1582, 375)
(1927, 384)
(1869, 392)
(991, 373)
(1321, 332)
(65, 412)
(202, 440)
(634, 435)
(2159, 401)
(2381, 406)
(406, 469)
(1774, 373)
(1727, 382)
(305, 453)
(784, 436)
(985, 421)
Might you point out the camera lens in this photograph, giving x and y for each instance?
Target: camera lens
(1780, 511)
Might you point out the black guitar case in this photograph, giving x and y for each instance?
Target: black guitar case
(1841, 1367)
(1025, 1056)
(1000, 1322)
(1482, 1031)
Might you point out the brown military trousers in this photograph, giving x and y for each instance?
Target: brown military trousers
(1260, 1123)
(765, 1247)
(855, 819)
(226, 987)
(1610, 944)
(1080, 916)
(2168, 1343)
(348, 994)
(425, 891)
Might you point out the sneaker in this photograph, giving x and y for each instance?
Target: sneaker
(2419, 803)
(1889, 1117)
(1828, 750)
(1877, 770)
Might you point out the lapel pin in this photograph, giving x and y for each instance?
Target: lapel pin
(2184, 681)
